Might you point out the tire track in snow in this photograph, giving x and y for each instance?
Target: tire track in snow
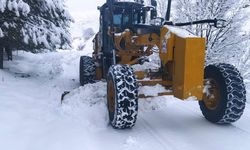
(157, 136)
(195, 112)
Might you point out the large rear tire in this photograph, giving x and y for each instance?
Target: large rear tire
(87, 70)
(122, 96)
(225, 97)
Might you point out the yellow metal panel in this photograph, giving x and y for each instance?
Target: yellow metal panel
(98, 73)
(166, 45)
(189, 59)
(147, 39)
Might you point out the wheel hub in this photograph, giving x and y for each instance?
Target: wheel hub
(211, 97)
(111, 96)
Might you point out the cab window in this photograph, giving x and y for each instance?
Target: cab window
(117, 19)
(120, 19)
(125, 19)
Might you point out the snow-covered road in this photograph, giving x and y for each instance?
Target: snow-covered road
(32, 117)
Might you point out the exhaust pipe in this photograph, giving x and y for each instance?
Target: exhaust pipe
(167, 17)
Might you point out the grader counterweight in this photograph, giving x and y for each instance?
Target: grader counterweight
(129, 31)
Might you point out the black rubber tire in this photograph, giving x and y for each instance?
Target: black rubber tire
(126, 97)
(232, 94)
(87, 70)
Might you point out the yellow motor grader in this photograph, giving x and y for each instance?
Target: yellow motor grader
(129, 33)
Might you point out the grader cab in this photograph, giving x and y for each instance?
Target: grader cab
(129, 33)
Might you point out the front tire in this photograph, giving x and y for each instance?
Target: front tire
(225, 97)
(122, 96)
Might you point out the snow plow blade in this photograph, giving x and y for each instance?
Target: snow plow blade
(63, 95)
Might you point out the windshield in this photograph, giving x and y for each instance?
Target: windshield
(137, 1)
(120, 19)
(136, 18)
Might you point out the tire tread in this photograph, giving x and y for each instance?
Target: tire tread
(126, 96)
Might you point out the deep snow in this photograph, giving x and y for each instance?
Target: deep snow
(32, 116)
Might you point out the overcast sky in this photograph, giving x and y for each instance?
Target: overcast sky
(80, 6)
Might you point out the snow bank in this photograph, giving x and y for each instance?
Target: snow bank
(32, 117)
(84, 29)
(36, 65)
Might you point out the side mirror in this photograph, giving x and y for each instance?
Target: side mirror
(147, 8)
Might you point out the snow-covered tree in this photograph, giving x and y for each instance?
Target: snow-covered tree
(162, 7)
(10, 13)
(222, 44)
(243, 64)
(34, 25)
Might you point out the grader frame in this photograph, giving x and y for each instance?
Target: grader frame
(126, 37)
(186, 54)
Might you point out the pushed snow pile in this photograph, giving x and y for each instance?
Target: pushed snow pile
(145, 66)
(152, 90)
(89, 94)
(155, 102)
(154, 63)
(87, 104)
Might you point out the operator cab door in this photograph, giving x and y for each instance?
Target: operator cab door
(124, 17)
(121, 21)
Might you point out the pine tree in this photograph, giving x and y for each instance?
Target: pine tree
(11, 13)
(35, 25)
